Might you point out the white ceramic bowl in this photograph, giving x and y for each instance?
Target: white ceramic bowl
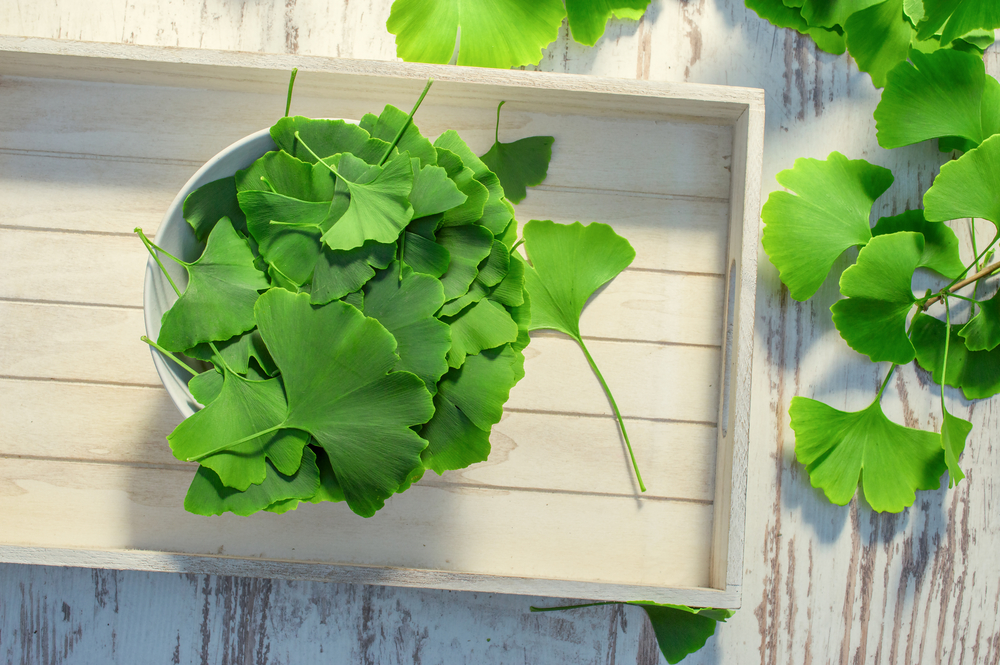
(176, 236)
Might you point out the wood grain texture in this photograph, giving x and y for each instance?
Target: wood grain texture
(821, 583)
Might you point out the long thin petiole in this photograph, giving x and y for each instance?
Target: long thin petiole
(169, 355)
(947, 339)
(517, 244)
(618, 415)
(320, 159)
(402, 248)
(496, 134)
(572, 607)
(886, 381)
(291, 84)
(409, 119)
(153, 252)
(219, 449)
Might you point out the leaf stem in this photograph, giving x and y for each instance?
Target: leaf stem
(496, 136)
(169, 355)
(947, 339)
(573, 607)
(291, 84)
(618, 415)
(152, 252)
(886, 381)
(402, 248)
(320, 160)
(219, 449)
(409, 119)
(517, 244)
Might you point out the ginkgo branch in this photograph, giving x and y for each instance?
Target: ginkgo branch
(985, 272)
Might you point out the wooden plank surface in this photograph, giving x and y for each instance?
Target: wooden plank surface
(821, 583)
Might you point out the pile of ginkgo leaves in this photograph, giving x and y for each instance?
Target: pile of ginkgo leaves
(337, 370)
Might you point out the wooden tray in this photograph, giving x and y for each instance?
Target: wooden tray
(96, 139)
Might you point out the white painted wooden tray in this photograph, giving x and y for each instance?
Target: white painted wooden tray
(96, 139)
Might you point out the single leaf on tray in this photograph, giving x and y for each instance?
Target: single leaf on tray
(214, 436)
(784, 16)
(387, 125)
(485, 325)
(839, 448)
(503, 33)
(588, 18)
(940, 95)
(982, 332)
(467, 246)
(967, 186)
(208, 496)
(469, 402)
(497, 212)
(362, 414)
(406, 307)
(491, 272)
(211, 202)
(464, 178)
(872, 319)
(804, 234)
(977, 373)
(958, 17)
(340, 272)
(222, 288)
(521, 164)
(941, 252)
(878, 38)
(326, 138)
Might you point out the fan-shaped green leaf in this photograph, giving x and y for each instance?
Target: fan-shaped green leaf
(361, 414)
(433, 191)
(497, 212)
(967, 186)
(958, 17)
(406, 308)
(467, 247)
(222, 288)
(523, 163)
(939, 95)
(824, 13)
(205, 387)
(208, 496)
(326, 138)
(510, 291)
(503, 33)
(386, 127)
(211, 202)
(425, 256)
(293, 246)
(490, 273)
(837, 446)
(941, 252)
(879, 38)
(485, 325)
(804, 234)
(681, 630)
(784, 16)
(954, 432)
(464, 178)
(588, 18)
(977, 373)
(278, 171)
(340, 272)
(982, 332)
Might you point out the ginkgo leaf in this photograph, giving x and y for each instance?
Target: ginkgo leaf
(464, 178)
(503, 33)
(205, 206)
(242, 409)
(982, 332)
(222, 288)
(205, 387)
(681, 630)
(208, 496)
(293, 246)
(510, 291)
(569, 262)
(387, 125)
(977, 373)
(958, 17)
(878, 38)
(467, 246)
(361, 413)
(340, 272)
(237, 352)
(804, 234)
(824, 13)
(433, 191)
(939, 95)
(521, 164)
(872, 319)
(954, 432)
(469, 402)
(967, 186)
(941, 251)
(497, 212)
(425, 256)
(278, 171)
(491, 272)
(326, 138)
(588, 18)
(405, 303)
(784, 16)
(379, 209)
(839, 448)
(485, 325)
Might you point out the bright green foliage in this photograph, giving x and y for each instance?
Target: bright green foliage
(486, 325)
(941, 251)
(326, 138)
(827, 14)
(406, 308)
(464, 178)
(208, 496)
(954, 432)
(872, 320)
(681, 630)
(434, 192)
(785, 16)
(491, 272)
(222, 288)
(387, 125)
(340, 272)
(588, 18)
(836, 446)
(977, 373)
(879, 38)
(967, 186)
(291, 250)
(215, 435)
(520, 164)
(329, 488)
(469, 402)
(510, 290)
(205, 387)
(940, 95)
(805, 234)
(502, 33)
(211, 202)
(497, 213)
(958, 17)
(467, 246)
(425, 256)
(361, 414)
(982, 332)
